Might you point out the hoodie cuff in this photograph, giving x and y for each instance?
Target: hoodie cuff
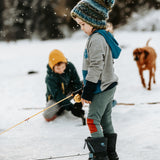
(88, 91)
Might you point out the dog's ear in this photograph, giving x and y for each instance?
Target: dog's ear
(136, 54)
(146, 54)
(136, 51)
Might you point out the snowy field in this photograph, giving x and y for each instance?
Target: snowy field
(22, 95)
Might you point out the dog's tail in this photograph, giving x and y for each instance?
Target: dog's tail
(148, 41)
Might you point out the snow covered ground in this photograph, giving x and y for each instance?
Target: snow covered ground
(138, 126)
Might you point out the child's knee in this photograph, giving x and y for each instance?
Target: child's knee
(48, 116)
(51, 113)
(50, 119)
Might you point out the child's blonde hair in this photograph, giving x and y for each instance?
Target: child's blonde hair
(109, 27)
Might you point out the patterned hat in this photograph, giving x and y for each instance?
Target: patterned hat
(93, 12)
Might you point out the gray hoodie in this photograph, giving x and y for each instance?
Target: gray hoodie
(98, 63)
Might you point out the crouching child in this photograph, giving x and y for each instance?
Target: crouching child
(61, 80)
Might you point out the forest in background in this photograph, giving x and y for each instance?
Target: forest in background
(50, 19)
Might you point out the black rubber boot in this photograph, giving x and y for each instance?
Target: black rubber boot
(97, 147)
(79, 112)
(111, 146)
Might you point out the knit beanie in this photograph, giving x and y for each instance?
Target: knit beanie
(55, 57)
(93, 12)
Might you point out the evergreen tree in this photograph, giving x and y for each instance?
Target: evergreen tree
(9, 17)
(16, 16)
(72, 24)
(22, 22)
(1, 11)
(45, 20)
(1, 19)
(123, 9)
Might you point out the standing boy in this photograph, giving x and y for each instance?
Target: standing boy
(99, 78)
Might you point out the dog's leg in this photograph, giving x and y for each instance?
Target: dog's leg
(142, 79)
(154, 71)
(150, 78)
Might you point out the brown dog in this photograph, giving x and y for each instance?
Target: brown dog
(146, 60)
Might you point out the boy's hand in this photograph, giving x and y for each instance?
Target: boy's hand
(85, 101)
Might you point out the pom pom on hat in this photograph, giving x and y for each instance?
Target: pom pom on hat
(55, 57)
(93, 12)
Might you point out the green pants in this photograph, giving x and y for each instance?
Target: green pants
(99, 116)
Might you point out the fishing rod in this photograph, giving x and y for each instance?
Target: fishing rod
(67, 156)
(71, 95)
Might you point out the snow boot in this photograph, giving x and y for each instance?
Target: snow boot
(97, 147)
(111, 146)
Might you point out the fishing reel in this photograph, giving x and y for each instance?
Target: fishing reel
(77, 98)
